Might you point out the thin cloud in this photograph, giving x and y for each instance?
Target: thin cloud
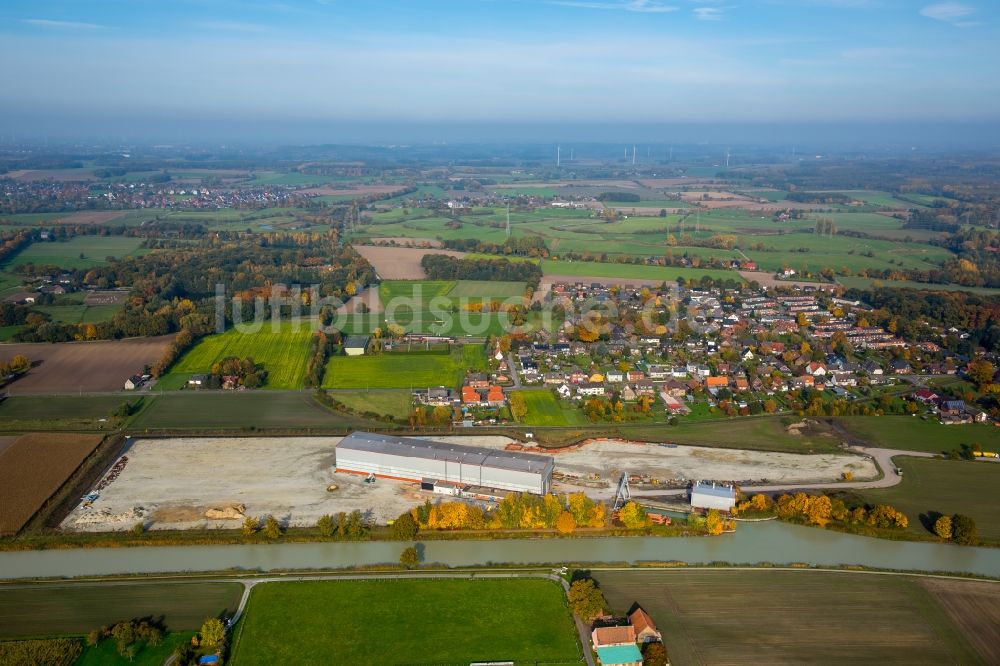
(62, 25)
(708, 13)
(231, 26)
(954, 13)
(642, 6)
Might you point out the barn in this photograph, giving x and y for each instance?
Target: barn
(427, 461)
(711, 495)
(356, 345)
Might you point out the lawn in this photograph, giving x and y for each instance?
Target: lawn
(284, 352)
(208, 410)
(405, 622)
(78, 252)
(544, 410)
(932, 487)
(914, 434)
(76, 609)
(791, 617)
(403, 369)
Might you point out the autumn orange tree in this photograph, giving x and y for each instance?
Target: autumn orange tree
(565, 523)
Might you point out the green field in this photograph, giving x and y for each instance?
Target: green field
(763, 433)
(915, 434)
(76, 609)
(79, 314)
(397, 404)
(78, 252)
(209, 410)
(284, 352)
(455, 293)
(631, 271)
(868, 283)
(791, 617)
(61, 412)
(544, 410)
(406, 622)
(459, 324)
(404, 369)
(945, 487)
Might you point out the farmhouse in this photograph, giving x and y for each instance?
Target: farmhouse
(356, 345)
(709, 495)
(645, 628)
(616, 646)
(418, 460)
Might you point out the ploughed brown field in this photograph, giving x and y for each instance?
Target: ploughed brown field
(975, 607)
(399, 263)
(82, 366)
(34, 467)
(729, 616)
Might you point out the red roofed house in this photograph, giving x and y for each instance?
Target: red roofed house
(605, 636)
(470, 396)
(495, 396)
(716, 382)
(645, 628)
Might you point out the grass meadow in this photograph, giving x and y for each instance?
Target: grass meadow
(78, 252)
(403, 369)
(284, 353)
(406, 621)
(931, 487)
(544, 410)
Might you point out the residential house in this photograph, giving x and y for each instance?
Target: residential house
(590, 388)
(133, 382)
(478, 381)
(645, 628)
(616, 646)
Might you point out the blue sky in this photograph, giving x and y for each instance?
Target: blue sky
(512, 61)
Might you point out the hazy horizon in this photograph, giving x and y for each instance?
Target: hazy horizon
(613, 70)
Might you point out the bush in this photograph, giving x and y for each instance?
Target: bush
(963, 530)
(405, 527)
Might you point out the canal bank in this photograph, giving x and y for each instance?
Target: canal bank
(771, 542)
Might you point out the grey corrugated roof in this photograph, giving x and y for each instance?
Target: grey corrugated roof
(467, 455)
(714, 490)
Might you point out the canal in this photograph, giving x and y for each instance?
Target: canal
(752, 543)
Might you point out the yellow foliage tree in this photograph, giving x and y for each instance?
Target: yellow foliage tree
(565, 523)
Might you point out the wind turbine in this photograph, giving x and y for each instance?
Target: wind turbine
(558, 155)
(508, 219)
(633, 154)
(727, 158)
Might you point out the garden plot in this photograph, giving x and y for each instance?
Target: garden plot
(173, 483)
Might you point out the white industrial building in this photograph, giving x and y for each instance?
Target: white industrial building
(426, 461)
(710, 495)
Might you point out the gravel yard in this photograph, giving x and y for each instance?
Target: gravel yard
(608, 458)
(172, 483)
